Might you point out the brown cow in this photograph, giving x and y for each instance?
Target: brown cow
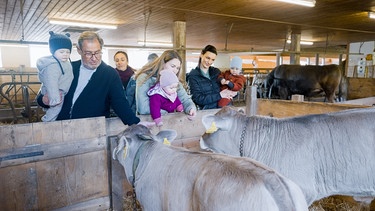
(306, 80)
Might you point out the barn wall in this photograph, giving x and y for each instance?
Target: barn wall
(67, 165)
(361, 88)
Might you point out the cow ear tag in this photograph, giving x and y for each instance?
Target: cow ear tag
(166, 142)
(212, 129)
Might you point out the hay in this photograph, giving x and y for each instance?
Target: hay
(128, 204)
(332, 203)
(338, 203)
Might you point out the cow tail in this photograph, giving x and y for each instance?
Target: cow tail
(268, 84)
(343, 85)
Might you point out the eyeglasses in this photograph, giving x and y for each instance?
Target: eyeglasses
(89, 55)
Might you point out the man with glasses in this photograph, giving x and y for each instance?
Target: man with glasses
(96, 86)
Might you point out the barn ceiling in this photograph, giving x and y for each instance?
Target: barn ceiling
(235, 25)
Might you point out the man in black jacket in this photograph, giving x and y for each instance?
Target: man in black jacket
(96, 87)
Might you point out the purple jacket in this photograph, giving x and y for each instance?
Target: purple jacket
(158, 102)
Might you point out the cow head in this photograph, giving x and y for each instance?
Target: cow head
(222, 129)
(132, 139)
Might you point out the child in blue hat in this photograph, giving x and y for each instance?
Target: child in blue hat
(55, 73)
(232, 79)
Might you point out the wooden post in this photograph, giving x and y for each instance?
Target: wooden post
(251, 100)
(179, 44)
(295, 47)
(278, 59)
(317, 59)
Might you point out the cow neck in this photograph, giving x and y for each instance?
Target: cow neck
(136, 160)
(243, 133)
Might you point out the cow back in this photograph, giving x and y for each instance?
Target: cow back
(324, 154)
(306, 80)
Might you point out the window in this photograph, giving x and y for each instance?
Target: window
(37, 51)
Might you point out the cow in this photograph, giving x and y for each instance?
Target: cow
(309, 80)
(174, 178)
(325, 154)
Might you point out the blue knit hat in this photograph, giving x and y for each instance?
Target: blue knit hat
(59, 41)
(236, 62)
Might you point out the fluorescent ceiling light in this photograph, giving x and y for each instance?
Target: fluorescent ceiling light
(164, 44)
(302, 42)
(371, 14)
(307, 3)
(83, 24)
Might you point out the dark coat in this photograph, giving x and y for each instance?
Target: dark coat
(103, 92)
(204, 92)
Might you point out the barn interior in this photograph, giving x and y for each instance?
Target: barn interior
(263, 33)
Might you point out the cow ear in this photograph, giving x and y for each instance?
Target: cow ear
(212, 123)
(119, 147)
(166, 136)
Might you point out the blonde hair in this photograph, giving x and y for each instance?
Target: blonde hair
(152, 69)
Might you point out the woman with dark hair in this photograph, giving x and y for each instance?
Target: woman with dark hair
(203, 81)
(122, 67)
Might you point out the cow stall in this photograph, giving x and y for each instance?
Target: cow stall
(67, 165)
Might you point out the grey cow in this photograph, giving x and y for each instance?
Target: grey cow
(325, 154)
(173, 178)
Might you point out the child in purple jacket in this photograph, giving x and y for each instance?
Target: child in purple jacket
(164, 96)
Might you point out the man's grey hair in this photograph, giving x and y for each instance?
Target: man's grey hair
(89, 35)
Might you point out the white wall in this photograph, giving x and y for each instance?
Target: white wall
(358, 51)
(13, 56)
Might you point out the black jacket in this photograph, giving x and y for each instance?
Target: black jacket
(102, 92)
(204, 92)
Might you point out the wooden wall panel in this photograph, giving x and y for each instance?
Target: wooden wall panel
(18, 188)
(361, 88)
(72, 179)
(55, 165)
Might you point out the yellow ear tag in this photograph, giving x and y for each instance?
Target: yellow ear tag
(166, 142)
(124, 152)
(212, 129)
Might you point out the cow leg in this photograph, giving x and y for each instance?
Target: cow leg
(283, 93)
(330, 96)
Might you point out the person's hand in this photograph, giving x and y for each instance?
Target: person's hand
(158, 122)
(46, 100)
(192, 114)
(232, 93)
(147, 124)
(222, 81)
(226, 94)
(180, 108)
